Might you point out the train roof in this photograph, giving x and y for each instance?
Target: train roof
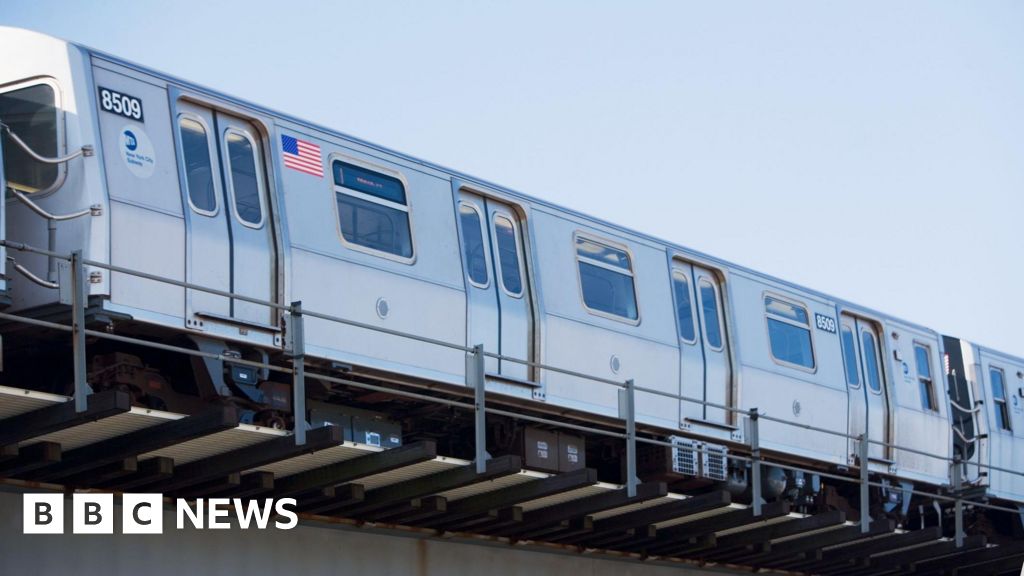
(471, 179)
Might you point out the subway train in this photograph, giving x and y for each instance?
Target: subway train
(177, 181)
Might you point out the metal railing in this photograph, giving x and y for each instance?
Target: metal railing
(76, 296)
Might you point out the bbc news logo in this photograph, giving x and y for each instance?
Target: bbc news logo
(93, 513)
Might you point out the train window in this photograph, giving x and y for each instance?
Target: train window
(869, 347)
(923, 360)
(245, 182)
(789, 333)
(684, 308)
(709, 309)
(999, 398)
(195, 148)
(508, 255)
(31, 113)
(372, 210)
(473, 247)
(850, 358)
(606, 279)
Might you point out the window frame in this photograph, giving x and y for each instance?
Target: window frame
(495, 214)
(407, 207)
(481, 228)
(1001, 406)
(930, 380)
(62, 145)
(214, 165)
(701, 279)
(810, 331)
(261, 185)
(579, 234)
(693, 318)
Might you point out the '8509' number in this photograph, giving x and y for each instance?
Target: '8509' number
(826, 323)
(120, 104)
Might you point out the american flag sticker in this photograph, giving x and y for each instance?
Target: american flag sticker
(302, 156)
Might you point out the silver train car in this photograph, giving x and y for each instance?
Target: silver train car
(181, 182)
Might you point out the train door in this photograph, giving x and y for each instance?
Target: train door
(865, 378)
(229, 241)
(705, 363)
(716, 354)
(499, 313)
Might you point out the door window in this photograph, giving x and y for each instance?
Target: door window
(508, 256)
(850, 357)
(709, 308)
(195, 149)
(245, 182)
(473, 248)
(872, 370)
(684, 308)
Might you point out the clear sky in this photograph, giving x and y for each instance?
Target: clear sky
(871, 150)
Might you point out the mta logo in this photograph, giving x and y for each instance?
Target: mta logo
(130, 142)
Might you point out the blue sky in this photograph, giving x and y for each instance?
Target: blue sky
(872, 150)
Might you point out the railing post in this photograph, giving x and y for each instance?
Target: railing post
(476, 379)
(78, 303)
(298, 354)
(755, 461)
(865, 487)
(630, 409)
(959, 505)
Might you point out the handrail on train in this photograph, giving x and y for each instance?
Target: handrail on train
(627, 388)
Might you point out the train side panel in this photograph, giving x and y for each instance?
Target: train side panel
(422, 295)
(602, 345)
(919, 406)
(787, 383)
(1000, 380)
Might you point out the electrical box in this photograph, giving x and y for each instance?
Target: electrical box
(572, 452)
(540, 449)
(376, 430)
(357, 425)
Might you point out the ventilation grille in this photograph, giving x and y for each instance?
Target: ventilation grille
(715, 462)
(685, 457)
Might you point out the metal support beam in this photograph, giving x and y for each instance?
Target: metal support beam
(150, 471)
(253, 484)
(356, 468)
(476, 379)
(78, 304)
(325, 499)
(781, 530)
(31, 457)
(959, 504)
(382, 499)
(814, 543)
(865, 487)
(249, 457)
(415, 510)
(142, 441)
(56, 417)
(298, 353)
(675, 539)
(755, 460)
(583, 506)
(646, 518)
(502, 498)
(630, 408)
